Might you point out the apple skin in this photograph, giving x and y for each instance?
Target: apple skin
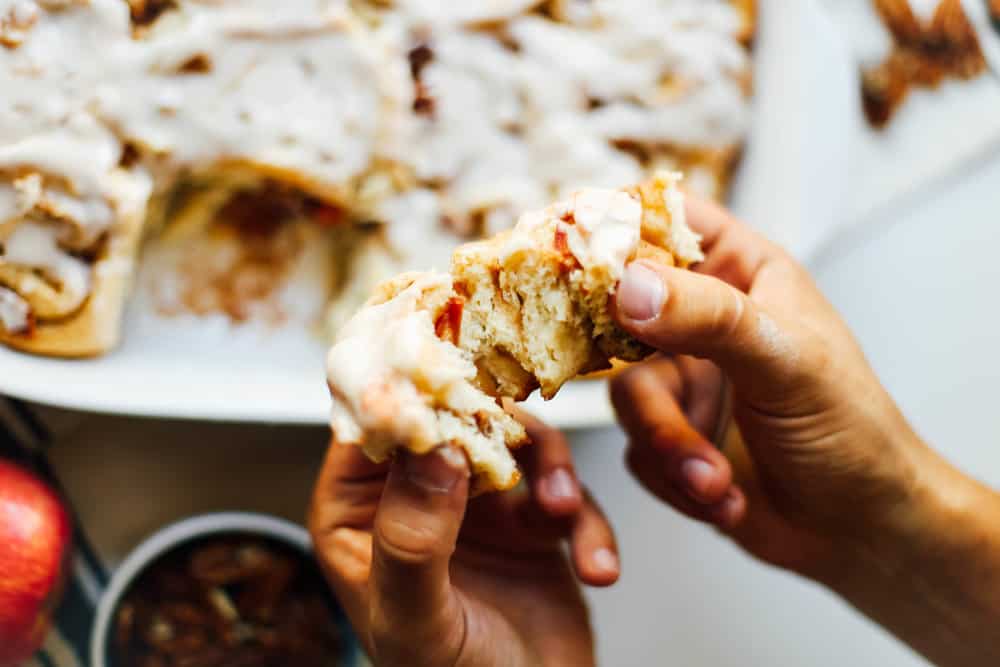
(35, 548)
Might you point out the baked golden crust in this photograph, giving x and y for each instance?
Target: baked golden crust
(95, 328)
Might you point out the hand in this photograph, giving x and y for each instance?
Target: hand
(422, 587)
(824, 476)
(828, 458)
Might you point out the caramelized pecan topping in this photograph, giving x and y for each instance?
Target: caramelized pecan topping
(924, 55)
(234, 600)
(145, 12)
(420, 56)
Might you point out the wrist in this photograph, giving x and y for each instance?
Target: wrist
(920, 501)
(942, 515)
(929, 571)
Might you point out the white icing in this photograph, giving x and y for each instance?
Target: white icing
(606, 229)
(466, 11)
(684, 241)
(389, 353)
(421, 233)
(310, 90)
(512, 130)
(17, 198)
(14, 312)
(35, 245)
(602, 228)
(290, 86)
(293, 85)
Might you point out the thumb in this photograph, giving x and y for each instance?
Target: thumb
(681, 312)
(416, 618)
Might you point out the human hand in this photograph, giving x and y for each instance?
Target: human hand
(822, 460)
(428, 579)
(822, 474)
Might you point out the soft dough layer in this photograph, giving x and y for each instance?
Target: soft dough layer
(426, 361)
(396, 382)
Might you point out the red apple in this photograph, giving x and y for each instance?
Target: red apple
(35, 536)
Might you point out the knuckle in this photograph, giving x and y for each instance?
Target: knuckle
(314, 525)
(727, 315)
(406, 542)
(553, 448)
(664, 438)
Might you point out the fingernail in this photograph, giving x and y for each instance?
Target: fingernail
(731, 505)
(698, 475)
(559, 484)
(641, 293)
(605, 560)
(437, 472)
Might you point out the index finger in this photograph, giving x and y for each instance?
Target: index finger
(341, 514)
(734, 252)
(649, 412)
(347, 490)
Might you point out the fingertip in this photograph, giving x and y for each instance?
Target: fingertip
(348, 554)
(701, 480)
(548, 467)
(558, 493)
(603, 568)
(641, 294)
(706, 476)
(442, 471)
(593, 546)
(598, 567)
(731, 510)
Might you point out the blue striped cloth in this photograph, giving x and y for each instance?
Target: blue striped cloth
(23, 439)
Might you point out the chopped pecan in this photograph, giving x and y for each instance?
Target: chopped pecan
(420, 56)
(129, 156)
(171, 618)
(145, 12)
(561, 241)
(15, 24)
(199, 63)
(326, 215)
(883, 90)
(898, 17)
(423, 103)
